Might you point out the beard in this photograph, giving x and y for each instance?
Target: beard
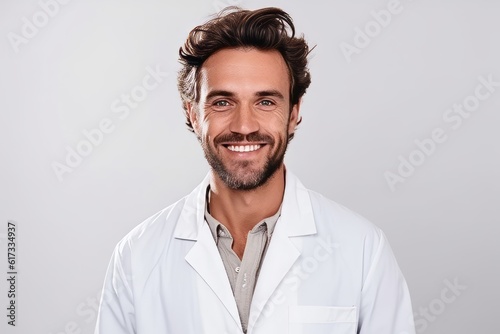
(244, 174)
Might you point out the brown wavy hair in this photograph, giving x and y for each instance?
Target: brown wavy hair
(264, 29)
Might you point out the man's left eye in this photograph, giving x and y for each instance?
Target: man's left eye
(266, 103)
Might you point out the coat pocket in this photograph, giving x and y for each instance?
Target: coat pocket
(322, 319)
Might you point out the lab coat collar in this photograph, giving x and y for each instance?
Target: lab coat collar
(296, 220)
(296, 210)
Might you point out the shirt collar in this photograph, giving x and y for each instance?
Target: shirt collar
(269, 223)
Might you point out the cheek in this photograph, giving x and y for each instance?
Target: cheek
(209, 130)
(215, 124)
(275, 120)
(286, 124)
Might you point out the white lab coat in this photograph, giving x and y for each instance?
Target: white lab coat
(327, 270)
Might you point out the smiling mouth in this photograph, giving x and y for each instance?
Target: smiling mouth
(243, 148)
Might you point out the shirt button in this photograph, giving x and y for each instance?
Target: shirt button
(237, 269)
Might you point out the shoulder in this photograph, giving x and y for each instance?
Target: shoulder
(156, 231)
(329, 217)
(351, 230)
(344, 226)
(156, 225)
(148, 239)
(327, 211)
(352, 233)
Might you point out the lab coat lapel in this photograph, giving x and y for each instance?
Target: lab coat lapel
(204, 256)
(296, 221)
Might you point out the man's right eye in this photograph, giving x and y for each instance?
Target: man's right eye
(221, 103)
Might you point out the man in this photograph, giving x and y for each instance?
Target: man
(251, 250)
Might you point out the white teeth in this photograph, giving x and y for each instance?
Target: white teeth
(243, 148)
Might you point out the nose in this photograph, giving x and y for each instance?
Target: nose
(244, 121)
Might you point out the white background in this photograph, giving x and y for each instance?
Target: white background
(359, 117)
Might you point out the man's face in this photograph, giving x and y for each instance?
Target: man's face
(244, 118)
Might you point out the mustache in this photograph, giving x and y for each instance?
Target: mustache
(238, 137)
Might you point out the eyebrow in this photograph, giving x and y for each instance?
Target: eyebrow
(214, 93)
(262, 93)
(271, 92)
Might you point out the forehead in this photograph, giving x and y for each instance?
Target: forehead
(245, 71)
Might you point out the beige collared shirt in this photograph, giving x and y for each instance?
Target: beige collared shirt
(242, 273)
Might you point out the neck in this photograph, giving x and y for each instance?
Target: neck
(241, 210)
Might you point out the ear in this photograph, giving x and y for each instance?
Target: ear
(294, 119)
(192, 112)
